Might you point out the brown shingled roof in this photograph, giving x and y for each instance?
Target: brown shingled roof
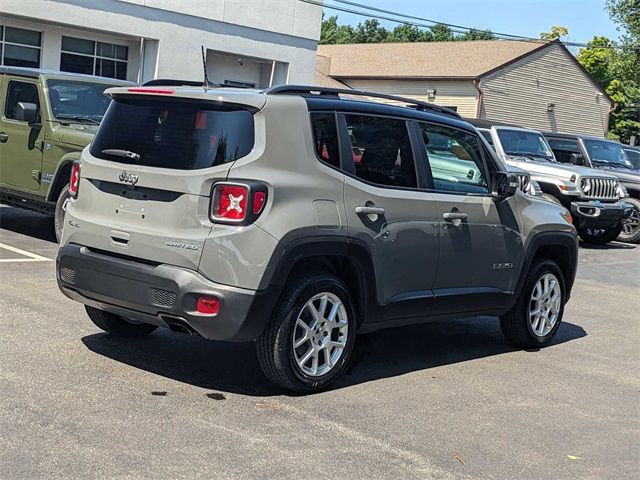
(468, 59)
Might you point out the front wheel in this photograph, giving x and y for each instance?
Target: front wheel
(310, 338)
(61, 209)
(631, 225)
(600, 236)
(536, 316)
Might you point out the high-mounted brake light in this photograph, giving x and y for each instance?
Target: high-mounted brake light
(237, 203)
(74, 180)
(153, 91)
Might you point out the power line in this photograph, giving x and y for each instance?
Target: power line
(454, 28)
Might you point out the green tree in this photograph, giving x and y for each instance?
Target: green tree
(442, 33)
(475, 34)
(331, 32)
(626, 13)
(599, 60)
(409, 33)
(370, 32)
(556, 32)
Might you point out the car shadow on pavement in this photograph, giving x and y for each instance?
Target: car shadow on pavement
(27, 223)
(607, 246)
(233, 367)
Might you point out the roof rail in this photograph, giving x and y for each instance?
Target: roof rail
(172, 82)
(310, 90)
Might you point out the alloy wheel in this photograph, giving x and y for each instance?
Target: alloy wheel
(630, 224)
(320, 334)
(545, 304)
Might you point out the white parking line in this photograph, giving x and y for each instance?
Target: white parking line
(32, 257)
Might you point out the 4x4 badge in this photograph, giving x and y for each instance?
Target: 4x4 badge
(129, 178)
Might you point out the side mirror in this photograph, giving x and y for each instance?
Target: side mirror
(504, 184)
(576, 159)
(27, 112)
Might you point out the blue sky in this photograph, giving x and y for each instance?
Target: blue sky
(583, 18)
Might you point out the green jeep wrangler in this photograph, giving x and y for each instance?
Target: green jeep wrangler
(47, 119)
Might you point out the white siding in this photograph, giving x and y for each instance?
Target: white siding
(449, 93)
(521, 92)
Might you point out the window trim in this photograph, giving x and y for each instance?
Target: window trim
(350, 171)
(4, 109)
(487, 171)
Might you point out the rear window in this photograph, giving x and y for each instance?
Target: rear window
(173, 134)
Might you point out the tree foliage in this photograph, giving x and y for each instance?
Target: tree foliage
(617, 70)
(556, 32)
(371, 31)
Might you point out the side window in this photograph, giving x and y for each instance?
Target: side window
(20, 92)
(455, 159)
(487, 136)
(382, 150)
(325, 138)
(563, 149)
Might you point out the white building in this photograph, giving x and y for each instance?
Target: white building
(248, 42)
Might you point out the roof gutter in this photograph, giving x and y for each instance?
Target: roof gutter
(476, 83)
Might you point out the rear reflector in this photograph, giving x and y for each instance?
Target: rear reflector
(74, 180)
(208, 305)
(259, 199)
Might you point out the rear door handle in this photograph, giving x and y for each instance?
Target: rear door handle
(4, 137)
(451, 216)
(366, 210)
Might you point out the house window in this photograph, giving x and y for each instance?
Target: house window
(94, 58)
(20, 47)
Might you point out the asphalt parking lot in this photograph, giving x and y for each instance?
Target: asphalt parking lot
(443, 400)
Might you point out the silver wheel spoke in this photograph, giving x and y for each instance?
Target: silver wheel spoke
(545, 304)
(322, 325)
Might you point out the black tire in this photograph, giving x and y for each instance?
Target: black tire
(551, 198)
(515, 324)
(600, 236)
(275, 348)
(631, 226)
(58, 217)
(116, 325)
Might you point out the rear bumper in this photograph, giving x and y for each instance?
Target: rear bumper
(597, 214)
(162, 295)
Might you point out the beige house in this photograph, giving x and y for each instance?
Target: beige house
(532, 84)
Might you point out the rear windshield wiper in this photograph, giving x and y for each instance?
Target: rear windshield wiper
(79, 118)
(121, 153)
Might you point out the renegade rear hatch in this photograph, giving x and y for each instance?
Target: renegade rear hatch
(146, 179)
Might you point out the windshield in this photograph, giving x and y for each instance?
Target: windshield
(607, 153)
(519, 142)
(634, 157)
(78, 100)
(174, 134)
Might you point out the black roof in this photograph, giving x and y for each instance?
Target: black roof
(37, 72)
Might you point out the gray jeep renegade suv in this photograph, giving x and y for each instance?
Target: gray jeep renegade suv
(297, 217)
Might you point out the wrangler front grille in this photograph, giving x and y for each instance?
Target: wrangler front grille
(523, 182)
(599, 188)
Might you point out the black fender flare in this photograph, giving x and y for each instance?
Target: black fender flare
(61, 175)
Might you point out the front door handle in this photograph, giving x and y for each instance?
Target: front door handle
(452, 216)
(3, 137)
(367, 210)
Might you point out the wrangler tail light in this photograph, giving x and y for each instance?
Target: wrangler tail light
(74, 180)
(238, 203)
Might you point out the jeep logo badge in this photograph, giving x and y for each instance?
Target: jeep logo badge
(129, 178)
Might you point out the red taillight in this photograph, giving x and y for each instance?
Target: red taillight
(74, 180)
(208, 305)
(238, 203)
(230, 202)
(259, 199)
